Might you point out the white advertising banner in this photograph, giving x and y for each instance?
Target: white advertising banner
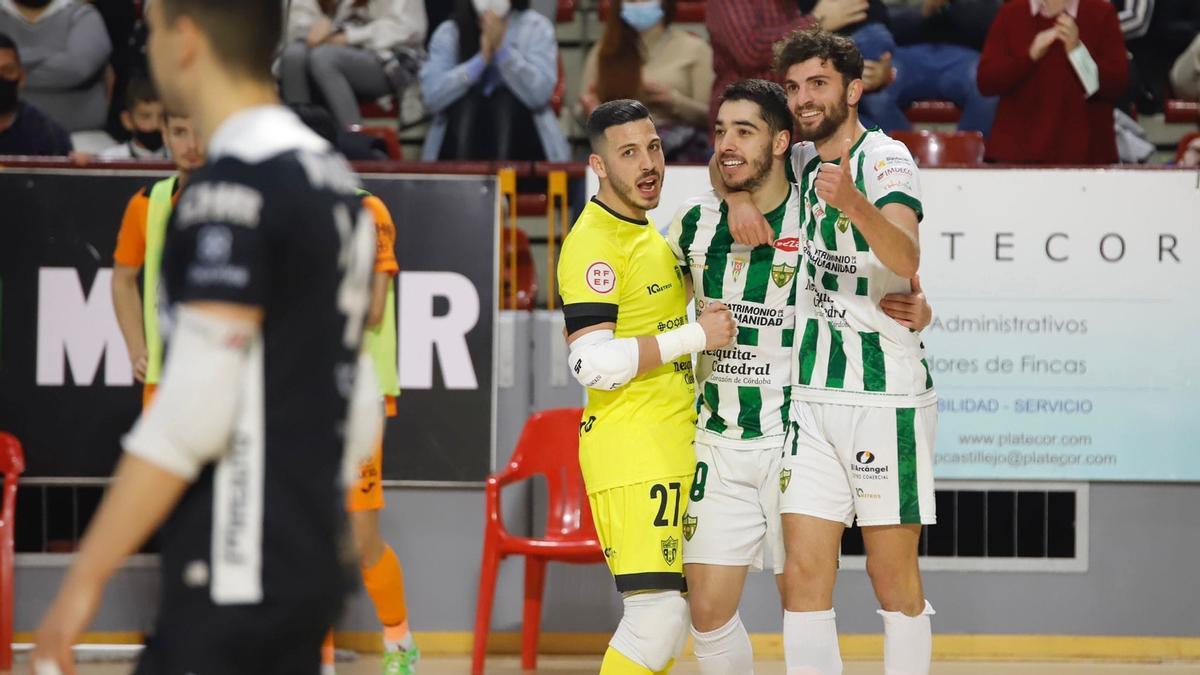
(1067, 316)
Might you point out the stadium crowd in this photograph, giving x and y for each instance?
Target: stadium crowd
(1043, 81)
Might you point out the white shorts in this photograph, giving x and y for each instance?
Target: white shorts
(733, 508)
(842, 461)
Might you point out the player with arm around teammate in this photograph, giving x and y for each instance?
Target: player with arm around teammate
(745, 389)
(630, 342)
(864, 412)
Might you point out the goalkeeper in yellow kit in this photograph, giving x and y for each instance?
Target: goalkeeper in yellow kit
(625, 305)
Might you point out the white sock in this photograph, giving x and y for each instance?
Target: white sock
(726, 650)
(810, 643)
(400, 646)
(907, 642)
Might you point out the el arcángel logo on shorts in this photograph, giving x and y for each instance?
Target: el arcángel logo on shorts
(689, 526)
(864, 467)
(785, 479)
(670, 549)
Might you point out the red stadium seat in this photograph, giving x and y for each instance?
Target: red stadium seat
(1182, 112)
(526, 279)
(388, 135)
(566, 11)
(12, 464)
(372, 110)
(531, 204)
(933, 112)
(686, 11)
(935, 148)
(560, 88)
(549, 446)
(1184, 143)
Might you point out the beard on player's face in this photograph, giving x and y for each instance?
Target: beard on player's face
(628, 193)
(832, 116)
(761, 168)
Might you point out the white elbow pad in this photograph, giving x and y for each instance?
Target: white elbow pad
(364, 420)
(600, 361)
(192, 416)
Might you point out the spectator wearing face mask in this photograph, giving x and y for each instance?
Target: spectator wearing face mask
(491, 72)
(1058, 67)
(642, 56)
(142, 118)
(24, 130)
(340, 51)
(65, 50)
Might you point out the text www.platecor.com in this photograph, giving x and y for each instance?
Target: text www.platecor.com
(1016, 457)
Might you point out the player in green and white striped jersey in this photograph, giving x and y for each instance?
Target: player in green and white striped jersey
(744, 393)
(862, 426)
(744, 389)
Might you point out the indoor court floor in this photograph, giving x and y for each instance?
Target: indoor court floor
(576, 665)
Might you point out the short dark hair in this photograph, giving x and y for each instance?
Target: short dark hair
(7, 43)
(243, 33)
(140, 90)
(613, 114)
(771, 100)
(814, 43)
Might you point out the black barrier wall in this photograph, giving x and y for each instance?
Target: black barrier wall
(66, 385)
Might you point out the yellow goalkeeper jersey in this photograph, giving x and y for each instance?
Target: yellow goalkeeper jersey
(616, 269)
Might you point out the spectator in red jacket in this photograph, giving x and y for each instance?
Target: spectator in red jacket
(1058, 67)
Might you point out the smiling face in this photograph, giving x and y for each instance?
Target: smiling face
(819, 98)
(744, 145)
(630, 159)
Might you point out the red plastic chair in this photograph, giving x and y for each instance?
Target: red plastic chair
(12, 464)
(391, 140)
(549, 446)
(1179, 111)
(933, 112)
(526, 276)
(560, 88)
(566, 11)
(374, 110)
(936, 148)
(1183, 145)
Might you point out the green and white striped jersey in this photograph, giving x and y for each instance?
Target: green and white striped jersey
(847, 350)
(744, 395)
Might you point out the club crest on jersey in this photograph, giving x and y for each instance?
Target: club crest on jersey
(670, 550)
(785, 479)
(782, 274)
(689, 526)
(843, 223)
(738, 265)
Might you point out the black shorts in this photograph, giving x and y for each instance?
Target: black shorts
(282, 638)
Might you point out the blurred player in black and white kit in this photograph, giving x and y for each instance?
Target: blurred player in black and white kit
(264, 400)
